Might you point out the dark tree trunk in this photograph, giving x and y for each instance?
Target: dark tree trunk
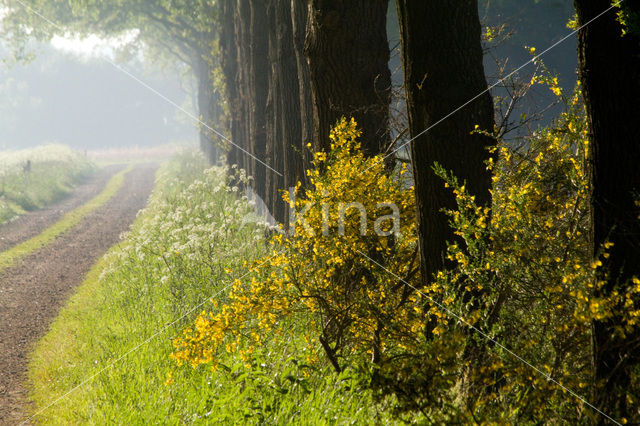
(207, 109)
(229, 65)
(242, 38)
(257, 97)
(285, 93)
(610, 75)
(299, 13)
(348, 53)
(443, 70)
(274, 152)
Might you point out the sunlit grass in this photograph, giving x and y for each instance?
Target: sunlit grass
(52, 172)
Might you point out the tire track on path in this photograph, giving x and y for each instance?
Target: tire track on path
(33, 223)
(33, 291)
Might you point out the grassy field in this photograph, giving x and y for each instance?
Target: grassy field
(53, 171)
(107, 358)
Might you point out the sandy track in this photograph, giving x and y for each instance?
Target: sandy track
(32, 292)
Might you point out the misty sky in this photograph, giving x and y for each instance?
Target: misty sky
(70, 94)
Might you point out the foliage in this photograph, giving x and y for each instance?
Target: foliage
(176, 27)
(528, 260)
(53, 171)
(329, 282)
(194, 230)
(504, 335)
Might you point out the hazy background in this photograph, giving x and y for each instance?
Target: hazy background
(71, 95)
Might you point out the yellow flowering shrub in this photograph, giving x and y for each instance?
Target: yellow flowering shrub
(344, 281)
(529, 260)
(344, 305)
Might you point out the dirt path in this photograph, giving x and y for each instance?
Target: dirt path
(32, 292)
(31, 224)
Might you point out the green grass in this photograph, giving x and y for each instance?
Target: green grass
(115, 327)
(9, 257)
(55, 170)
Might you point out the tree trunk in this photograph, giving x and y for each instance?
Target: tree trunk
(207, 109)
(242, 37)
(299, 14)
(348, 53)
(610, 76)
(258, 87)
(442, 57)
(274, 152)
(229, 65)
(285, 81)
(443, 69)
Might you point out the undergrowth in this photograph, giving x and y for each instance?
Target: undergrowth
(177, 257)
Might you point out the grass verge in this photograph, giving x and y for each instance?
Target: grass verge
(195, 237)
(72, 218)
(33, 178)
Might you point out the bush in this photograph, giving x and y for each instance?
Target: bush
(360, 313)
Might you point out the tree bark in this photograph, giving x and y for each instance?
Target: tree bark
(258, 92)
(229, 65)
(348, 53)
(242, 38)
(274, 153)
(443, 69)
(299, 15)
(285, 93)
(610, 76)
(207, 108)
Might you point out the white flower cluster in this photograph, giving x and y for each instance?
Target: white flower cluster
(191, 234)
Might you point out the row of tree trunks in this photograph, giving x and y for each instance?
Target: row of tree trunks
(610, 75)
(292, 68)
